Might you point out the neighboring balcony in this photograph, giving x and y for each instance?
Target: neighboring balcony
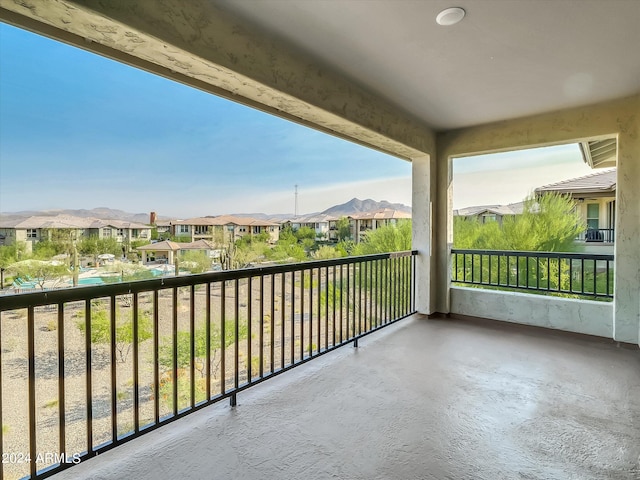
(600, 235)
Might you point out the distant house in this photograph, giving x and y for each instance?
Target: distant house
(40, 227)
(224, 228)
(166, 251)
(122, 231)
(595, 198)
(318, 222)
(163, 229)
(490, 213)
(363, 222)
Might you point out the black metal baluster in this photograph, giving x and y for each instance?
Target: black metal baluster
(31, 353)
(174, 334)
(261, 336)
(341, 299)
(207, 328)
(62, 421)
(319, 310)
(292, 318)
(114, 370)
(236, 338)
(283, 305)
(311, 312)
(88, 378)
(301, 321)
(156, 367)
(273, 323)
(192, 345)
(136, 367)
(249, 327)
(334, 305)
(326, 308)
(223, 337)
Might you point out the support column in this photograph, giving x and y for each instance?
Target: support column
(421, 205)
(626, 306)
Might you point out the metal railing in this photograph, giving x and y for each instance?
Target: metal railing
(86, 369)
(585, 275)
(604, 235)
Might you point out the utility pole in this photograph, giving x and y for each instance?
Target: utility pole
(295, 208)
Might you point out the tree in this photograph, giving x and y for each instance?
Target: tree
(38, 271)
(389, 238)
(305, 233)
(89, 246)
(101, 330)
(548, 223)
(195, 261)
(11, 253)
(344, 229)
(326, 252)
(183, 339)
(245, 254)
(94, 246)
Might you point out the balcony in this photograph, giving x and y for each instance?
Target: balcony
(454, 398)
(601, 235)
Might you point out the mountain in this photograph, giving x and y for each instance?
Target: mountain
(356, 205)
(102, 213)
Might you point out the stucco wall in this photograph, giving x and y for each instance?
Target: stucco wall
(618, 118)
(580, 316)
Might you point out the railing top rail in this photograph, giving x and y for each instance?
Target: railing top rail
(518, 253)
(75, 294)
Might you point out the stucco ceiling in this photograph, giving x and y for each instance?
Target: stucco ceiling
(506, 59)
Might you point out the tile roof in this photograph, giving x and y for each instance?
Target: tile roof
(510, 209)
(161, 246)
(167, 245)
(599, 182)
(384, 214)
(71, 221)
(221, 220)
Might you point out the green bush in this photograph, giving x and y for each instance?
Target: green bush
(101, 330)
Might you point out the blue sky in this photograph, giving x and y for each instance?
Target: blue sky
(81, 131)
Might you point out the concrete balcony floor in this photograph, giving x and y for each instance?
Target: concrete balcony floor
(423, 399)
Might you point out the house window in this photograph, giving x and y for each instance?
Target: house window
(120, 232)
(593, 216)
(32, 233)
(184, 228)
(488, 218)
(106, 232)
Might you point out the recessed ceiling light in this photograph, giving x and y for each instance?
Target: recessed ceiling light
(450, 16)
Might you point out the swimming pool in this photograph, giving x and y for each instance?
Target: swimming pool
(90, 281)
